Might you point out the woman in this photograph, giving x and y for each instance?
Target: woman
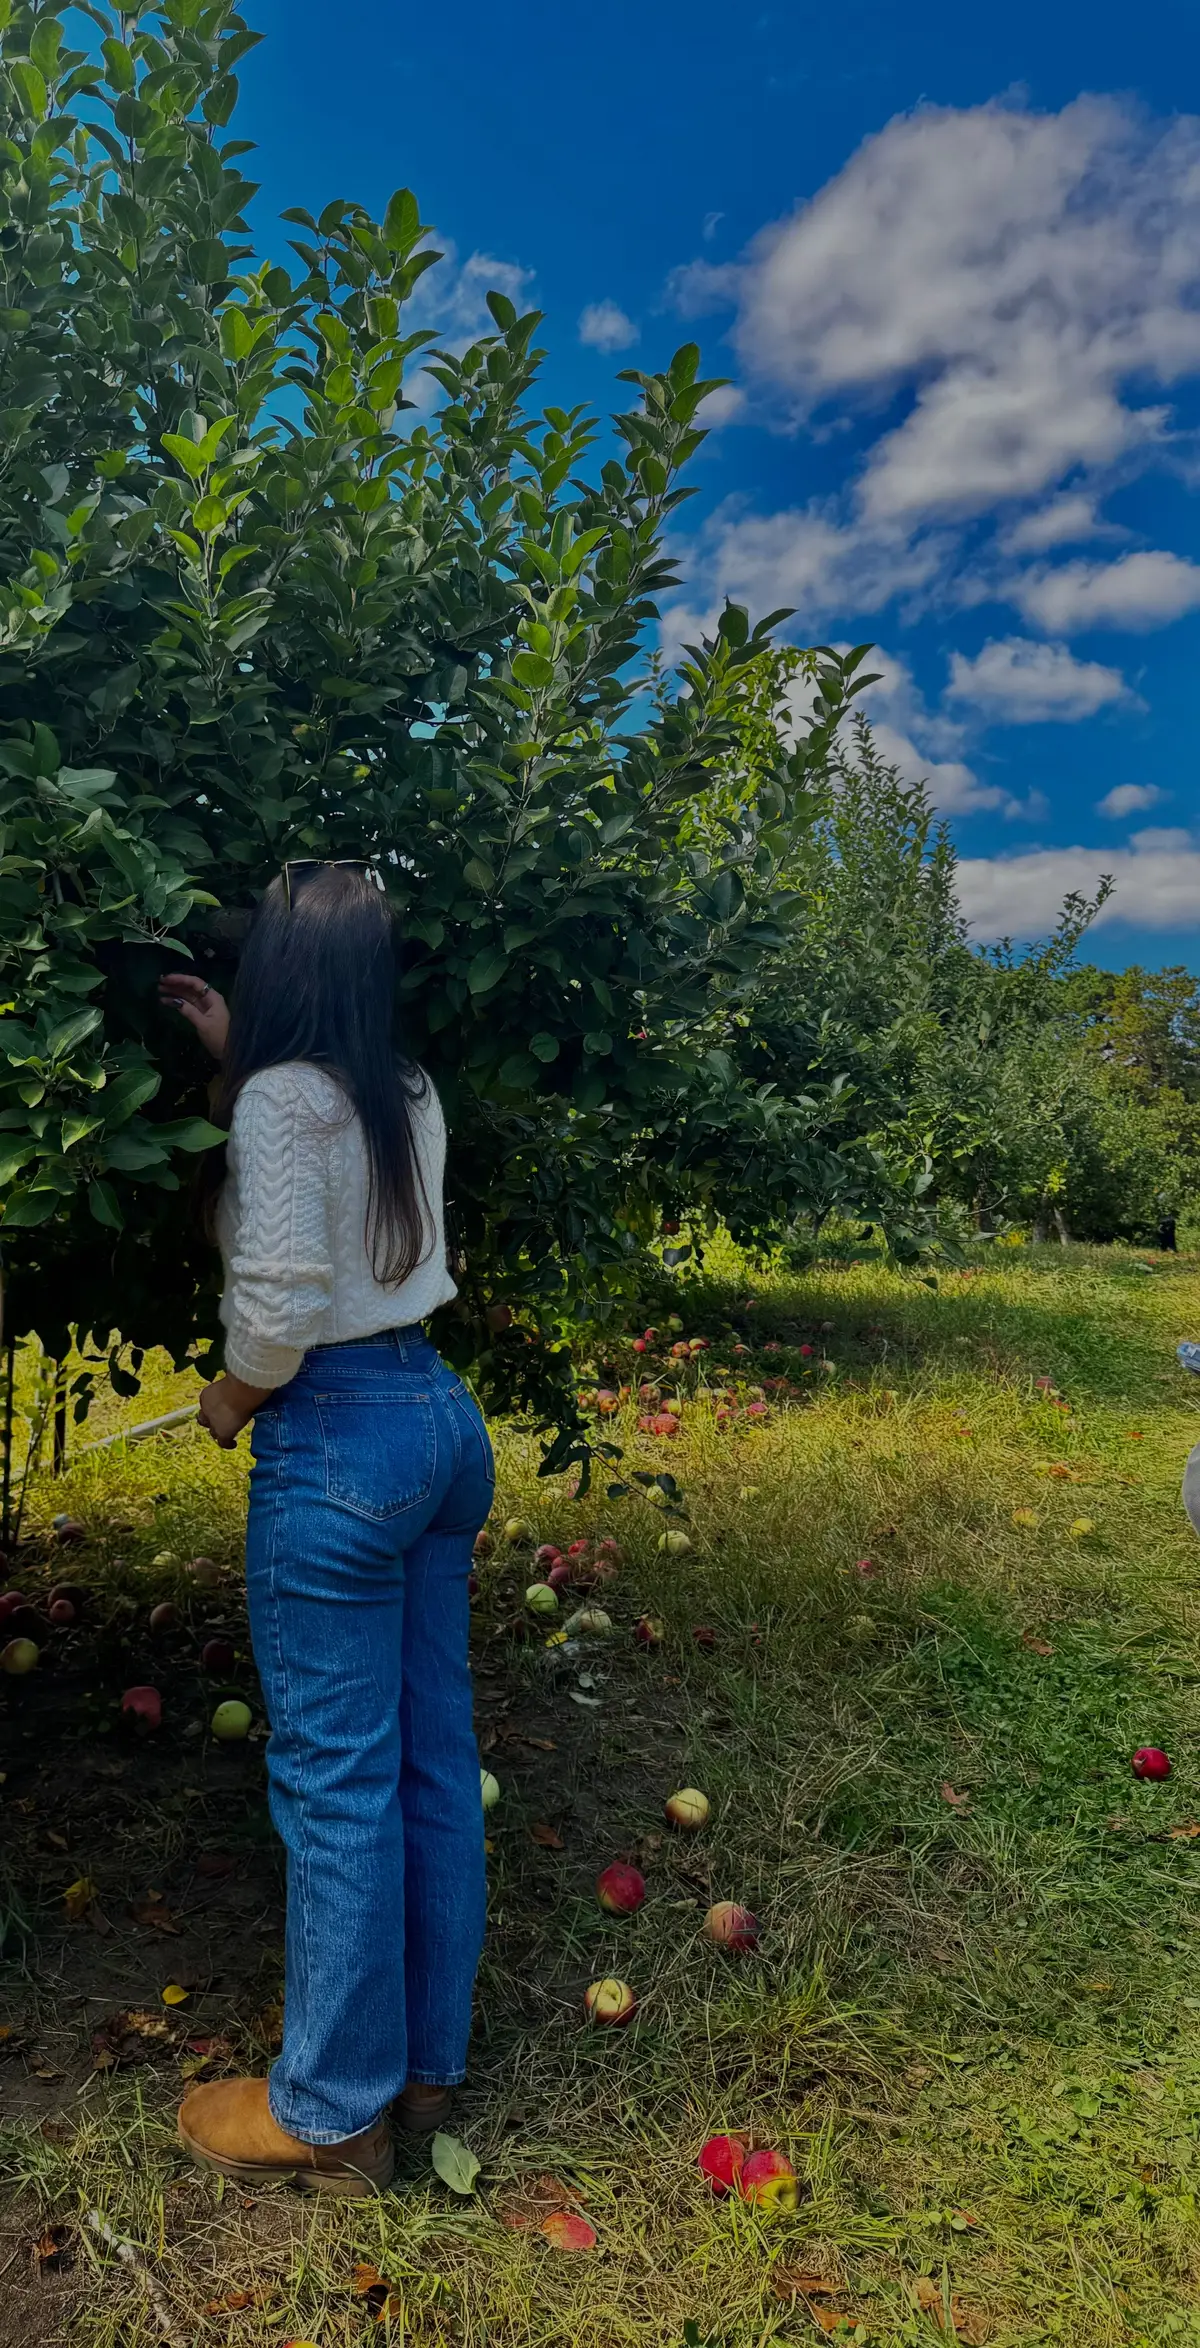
(372, 1475)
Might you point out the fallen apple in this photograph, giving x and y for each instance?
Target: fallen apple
(609, 2001)
(579, 1549)
(489, 1789)
(164, 1617)
(640, 1345)
(1150, 1761)
(673, 1544)
(217, 1656)
(768, 2180)
(518, 1528)
(541, 1599)
(472, 1585)
(649, 1632)
(68, 1528)
(674, 1322)
(204, 1571)
(620, 1889)
(722, 2160)
(591, 1622)
(231, 1721)
(72, 1592)
(559, 1575)
(547, 1553)
(62, 1613)
(142, 1707)
(10, 1602)
(19, 1656)
(688, 1809)
(483, 1543)
(730, 1927)
(704, 1636)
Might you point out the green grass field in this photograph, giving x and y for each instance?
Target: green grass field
(972, 2018)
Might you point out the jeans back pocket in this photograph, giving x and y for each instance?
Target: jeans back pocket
(380, 1451)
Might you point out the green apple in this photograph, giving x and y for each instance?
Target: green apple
(231, 1721)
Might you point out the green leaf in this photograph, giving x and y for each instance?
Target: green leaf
(455, 2163)
(102, 1199)
(486, 970)
(29, 1208)
(190, 1133)
(544, 1045)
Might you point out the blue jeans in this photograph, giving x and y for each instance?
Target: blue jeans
(372, 1475)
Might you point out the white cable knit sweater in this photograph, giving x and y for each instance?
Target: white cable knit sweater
(291, 1221)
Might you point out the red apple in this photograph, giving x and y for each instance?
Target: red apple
(499, 1317)
(472, 1585)
(722, 2160)
(620, 1889)
(650, 1336)
(142, 1707)
(62, 1613)
(205, 1572)
(608, 2002)
(164, 1617)
(703, 1636)
(483, 1543)
(9, 1604)
(640, 1345)
(217, 1656)
(866, 1566)
(649, 1632)
(731, 1927)
(670, 1226)
(1150, 1761)
(559, 1575)
(68, 1528)
(71, 1592)
(547, 1553)
(580, 1549)
(769, 2181)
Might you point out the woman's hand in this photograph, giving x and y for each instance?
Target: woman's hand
(227, 1406)
(201, 1006)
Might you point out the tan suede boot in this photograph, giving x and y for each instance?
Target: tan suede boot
(228, 2126)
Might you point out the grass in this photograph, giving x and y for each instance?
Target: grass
(972, 2020)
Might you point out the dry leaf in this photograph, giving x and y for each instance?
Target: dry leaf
(269, 2027)
(58, 1841)
(154, 1914)
(539, 1744)
(1026, 1516)
(545, 1837)
(78, 1897)
(49, 2247)
(794, 2283)
(1182, 1834)
(568, 2232)
(258, 2296)
(175, 1995)
(1036, 1646)
(956, 1801)
(968, 2324)
(382, 2298)
(127, 2038)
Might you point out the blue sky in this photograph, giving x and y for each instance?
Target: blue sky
(951, 260)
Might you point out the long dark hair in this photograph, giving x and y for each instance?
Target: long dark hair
(317, 982)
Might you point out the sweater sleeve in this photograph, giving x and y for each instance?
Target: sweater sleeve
(280, 1260)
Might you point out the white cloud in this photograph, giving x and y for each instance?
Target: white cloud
(1128, 799)
(805, 561)
(606, 328)
(1016, 272)
(1066, 521)
(922, 743)
(1136, 591)
(1022, 288)
(1157, 886)
(452, 300)
(1019, 683)
(721, 406)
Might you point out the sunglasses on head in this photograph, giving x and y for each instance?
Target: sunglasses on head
(302, 868)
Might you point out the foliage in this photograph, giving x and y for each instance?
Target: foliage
(256, 603)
